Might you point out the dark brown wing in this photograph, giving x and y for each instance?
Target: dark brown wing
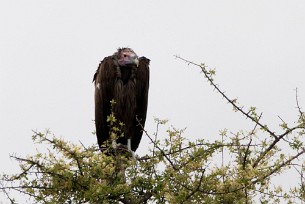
(142, 86)
(104, 84)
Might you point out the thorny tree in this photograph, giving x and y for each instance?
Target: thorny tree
(175, 170)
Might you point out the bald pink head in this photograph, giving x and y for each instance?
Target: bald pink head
(127, 57)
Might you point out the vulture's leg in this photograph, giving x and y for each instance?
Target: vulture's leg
(129, 144)
(129, 148)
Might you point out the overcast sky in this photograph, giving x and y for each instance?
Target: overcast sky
(50, 49)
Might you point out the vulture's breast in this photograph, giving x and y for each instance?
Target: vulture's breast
(126, 73)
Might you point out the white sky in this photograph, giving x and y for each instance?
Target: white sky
(49, 51)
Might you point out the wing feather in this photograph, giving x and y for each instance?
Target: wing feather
(142, 87)
(103, 78)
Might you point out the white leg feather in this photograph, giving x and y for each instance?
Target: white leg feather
(129, 148)
(129, 144)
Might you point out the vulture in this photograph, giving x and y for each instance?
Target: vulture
(124, 79)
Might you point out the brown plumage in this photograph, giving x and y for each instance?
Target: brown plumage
(124, 78)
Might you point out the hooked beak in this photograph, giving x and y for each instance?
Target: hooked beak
(136, 61)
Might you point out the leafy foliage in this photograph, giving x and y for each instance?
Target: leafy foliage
(236, 168)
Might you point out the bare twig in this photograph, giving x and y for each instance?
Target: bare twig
(271, 146)
(198, 186)
(277, 138)
(246, 154)
(232, 102)
(255, 126)
(161, 150)
(278, 167)
(297, 101)
(4, 190)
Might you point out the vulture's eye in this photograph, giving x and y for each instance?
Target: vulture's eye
(125, 55)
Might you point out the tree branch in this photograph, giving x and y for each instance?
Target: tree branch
(232, 102)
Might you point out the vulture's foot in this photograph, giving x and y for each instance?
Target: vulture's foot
(123, 149)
